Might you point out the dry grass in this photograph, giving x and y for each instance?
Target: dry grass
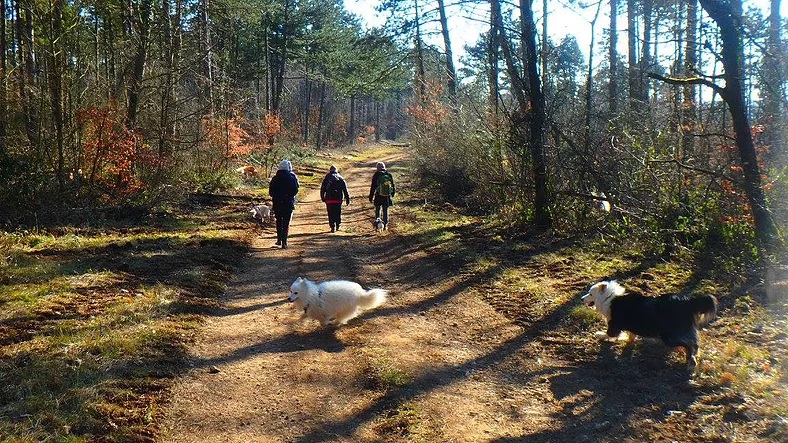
(95, 320)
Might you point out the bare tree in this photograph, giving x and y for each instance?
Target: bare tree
(450, 71)
(728, 16)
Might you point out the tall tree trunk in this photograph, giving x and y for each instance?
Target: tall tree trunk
(351, 130)
(633, 75)
(320, 115)
(281, 60)
(545, 72)
(728, 16)
(55, 86)
(3, 87)
(451, 73)
(613, 51)
(645, 54)
(207, 53)
(141, 22)
(307, 106)
(689, 105)
(776, 134)
(377, 120)
(421, 80)
(26, 80)
(492, 63)
(537, 117)
(172, 44)
(589, 84)
(518, 85)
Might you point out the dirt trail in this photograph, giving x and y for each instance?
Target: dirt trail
(284, 381)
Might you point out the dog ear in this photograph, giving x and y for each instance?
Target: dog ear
(603, 286)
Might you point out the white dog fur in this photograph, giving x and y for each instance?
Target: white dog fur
(261, 212)
(333, 302)
(379, 226)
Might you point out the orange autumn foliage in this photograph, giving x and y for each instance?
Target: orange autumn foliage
(110, 150)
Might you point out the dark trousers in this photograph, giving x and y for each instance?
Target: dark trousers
(283, 224)
(334, 214)
(385, 208)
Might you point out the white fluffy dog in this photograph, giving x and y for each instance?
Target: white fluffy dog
(333, 302)
(261, 213)
(379, 226)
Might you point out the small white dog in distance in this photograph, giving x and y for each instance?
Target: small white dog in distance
(262, 213)
(379, 226)
(333, 302)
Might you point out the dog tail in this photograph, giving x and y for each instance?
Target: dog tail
(372, 298)
(704, 308)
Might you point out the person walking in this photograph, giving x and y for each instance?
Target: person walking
(332, 190)
(283, 189)
(381, 192)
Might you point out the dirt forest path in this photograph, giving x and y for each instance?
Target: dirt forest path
(259, 375)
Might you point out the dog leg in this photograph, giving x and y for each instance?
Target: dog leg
(602, 336)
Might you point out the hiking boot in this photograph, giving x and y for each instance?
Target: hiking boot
(278, 242)
(284, 245)
(332, 229)
(337, 227)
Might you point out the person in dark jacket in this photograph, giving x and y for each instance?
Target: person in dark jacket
(331, 192)
(381, 192)
(283, 189)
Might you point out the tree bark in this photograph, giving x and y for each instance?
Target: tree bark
(141, 22)
(451, 73)
(421, 80)
(56, 87)
(613, 55)
(3, 86)
(633, 75)
(727, 15)
(492, 62)
(645, 54)
(776, 131)
(537, 118)
(689, 105)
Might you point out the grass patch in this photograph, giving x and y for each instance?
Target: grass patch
(382, 373)
(95, 320)
(406, 423)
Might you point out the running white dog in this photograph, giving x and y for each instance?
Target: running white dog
(333, 302)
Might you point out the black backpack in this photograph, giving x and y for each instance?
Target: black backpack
(334, 188)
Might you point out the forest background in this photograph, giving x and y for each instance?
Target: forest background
(123, 106)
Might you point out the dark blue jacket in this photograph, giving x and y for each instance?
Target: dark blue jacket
(283, 189)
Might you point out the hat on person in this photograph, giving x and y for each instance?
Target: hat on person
(332, 169)
(380, 165)
(285, 165)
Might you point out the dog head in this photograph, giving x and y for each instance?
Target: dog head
(297, 289)
(601, 294)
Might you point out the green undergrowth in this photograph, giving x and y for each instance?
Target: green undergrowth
(95, 320)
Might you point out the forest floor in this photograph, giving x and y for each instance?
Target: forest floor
(482, 339)
(175, 328)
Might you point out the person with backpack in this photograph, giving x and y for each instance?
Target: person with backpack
(283, 189)
(331, 192)
(381, 192)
